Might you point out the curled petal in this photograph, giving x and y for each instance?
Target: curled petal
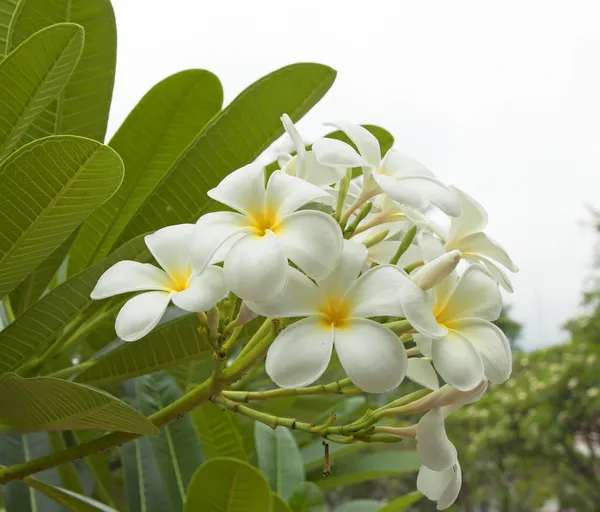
(457, 361)
(376, 292)
(312, 240)
(432, 483)
(473, 217)
(417, 308)
(130, 276)
(433, 446)
(435, 192)
(320, 174)
(420, 370)
(351, 262)
(424, 343)
(141, 314)
(364, 140)
(373, 357)
(450, 494)
(256, 267)
(300, 354)
(203, 292)
(399, 165)
(243, 190)
(170, 247)
(498, 274)
(336, 153)
(396, 189)
(292, 132)
(482, 245)
(285, 194)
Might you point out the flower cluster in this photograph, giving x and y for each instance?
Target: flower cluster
(340, 242)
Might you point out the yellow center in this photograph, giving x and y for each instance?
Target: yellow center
(181, 280)
(336, 313)
(263, 221)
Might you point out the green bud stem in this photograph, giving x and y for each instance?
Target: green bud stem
(364, 211)
(333, 388)
(376, 238)
(408, 269)
(342, 193)
(404, 245)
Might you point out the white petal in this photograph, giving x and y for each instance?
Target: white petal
(376, 292)
(170, 247)
(432, 247)
(364, 140)
(285, 194)
(476, 295)
(203, 292)
(483, 245)
(351, 262)
(300, 354)
(424, 343)
(243, 190)
(284, 160)
(292, 132)
(433, 446)
(320, 174)
(396, 190)
(212, 231)
(312, 240)
(452, 490)
(473, 217)
(397, 164)
(141, 314)
(492, 345)
(130, 276)
(435, 192)
(457, 361)
(383, 252)
(337, 154)
(417, 308)
(420, 370)
(433, 483)
(372, 356)
(297, 299)
(256, 267)
(462, 398)
(498, 274)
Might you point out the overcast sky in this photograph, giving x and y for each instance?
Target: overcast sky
(499, 98)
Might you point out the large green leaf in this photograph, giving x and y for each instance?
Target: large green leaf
(7, 7)
(45, 403)
(46, 318)
(277, 504)
(307, 497)
(158, 129)
(227, 485)
(169, 345)
(218, 432)
(32, 76)
(82, 108)
(176, 449)
(279, 458)
(364, 468)
(402, 503)
(68, 473)
(232, 139)
(72, 501)
(47, 189)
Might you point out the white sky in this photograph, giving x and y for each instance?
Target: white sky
(501, 98)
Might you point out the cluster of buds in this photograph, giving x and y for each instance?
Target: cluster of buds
(355, 263)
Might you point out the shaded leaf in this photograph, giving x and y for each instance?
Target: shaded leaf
(360, 506)
(195, 372)
(154, 134)
(45, 403)
(32, 76)
(227, 485)
(402, 503)
(73, 501)
(47, 189)
(234, 137)
(278, 504)
(82, 109)
(278, 458)
(307, 497)
(218, 432)
(7, 8)
(68, 473)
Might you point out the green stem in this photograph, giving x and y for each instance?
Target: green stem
(399, 326)
(72, 370)
(405, 244)
(408, 269)
(229, 342)
(364, 211)
(333, 388)
(342, 193)
(8, 310)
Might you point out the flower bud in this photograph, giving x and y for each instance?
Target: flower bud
(446, 396)
(245, 315)
(437, 270)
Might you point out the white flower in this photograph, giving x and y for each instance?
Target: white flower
(304, 164)
(256, 243)
(466, 234)
(187, 287)
(400, 178)
(338, 309)
(440, 486)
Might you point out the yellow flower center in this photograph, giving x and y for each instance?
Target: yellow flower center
(180, 280)
(263, 221)
(336, 313)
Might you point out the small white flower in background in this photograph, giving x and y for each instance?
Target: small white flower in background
(256, 243)
(400, 178)
(466, 234)
(178, 281)
(338, 309)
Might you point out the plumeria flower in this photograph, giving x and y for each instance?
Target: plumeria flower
(400, 178)
(178, 281)
(442, 487)
(337, 310)
(256, 243)
(304, 164)
(466, 234)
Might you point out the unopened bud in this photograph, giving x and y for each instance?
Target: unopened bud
(437, 270)
(245, 315)
(446, 396)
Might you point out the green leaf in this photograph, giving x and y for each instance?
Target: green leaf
(227, 485)
(32, 76)
(169, 345)
(158, 129)
(307, 497)
(277, 504)
(46, 318)
(235, 137)
(45, 403)
(82, 108)
(279, 458)
(402, 503)
(192, 373)
(68, 473)
(73, 501)
(359, 506)
(47, 189)
(176, 449)
(218, 432)
(372, 466)
(7, 7)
